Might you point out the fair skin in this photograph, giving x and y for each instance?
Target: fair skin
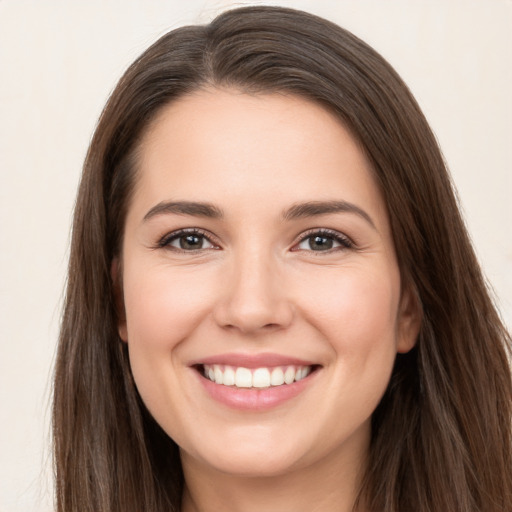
(258, 282)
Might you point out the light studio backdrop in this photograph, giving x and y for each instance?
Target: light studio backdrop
(59, 60)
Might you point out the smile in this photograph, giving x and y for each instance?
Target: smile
(259, 378)
(255, 382)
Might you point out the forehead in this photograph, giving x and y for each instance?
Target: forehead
(226, 145)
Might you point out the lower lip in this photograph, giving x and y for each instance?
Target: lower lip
(252, 399)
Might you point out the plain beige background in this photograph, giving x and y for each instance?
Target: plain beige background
(58, 62)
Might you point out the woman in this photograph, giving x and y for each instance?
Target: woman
(272, 298)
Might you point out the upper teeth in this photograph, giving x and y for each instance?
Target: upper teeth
(257, 378)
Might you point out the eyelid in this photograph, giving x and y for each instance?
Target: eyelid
(164, 241)
(345, 241)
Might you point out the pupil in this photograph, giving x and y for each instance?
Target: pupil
(320, 242)
(191, 242)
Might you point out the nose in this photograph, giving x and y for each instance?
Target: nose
(254, 298)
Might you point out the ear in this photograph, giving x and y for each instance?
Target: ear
(117, 278)
(409, 319)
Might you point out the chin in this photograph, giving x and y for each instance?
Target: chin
(254, 465)
(249, 458)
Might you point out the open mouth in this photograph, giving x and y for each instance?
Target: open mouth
(255, 378)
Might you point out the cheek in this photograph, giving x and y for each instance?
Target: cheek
(358, 319)
(356, 316)
(355, 308)
(164, 305)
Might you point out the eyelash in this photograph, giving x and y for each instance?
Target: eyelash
(343, 240)
(165, 241)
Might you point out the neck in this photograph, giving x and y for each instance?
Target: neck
(330, 485)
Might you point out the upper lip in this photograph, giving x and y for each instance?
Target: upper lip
(252, 360)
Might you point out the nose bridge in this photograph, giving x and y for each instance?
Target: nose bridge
(254, 297)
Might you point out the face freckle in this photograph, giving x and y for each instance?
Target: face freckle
(257, 239)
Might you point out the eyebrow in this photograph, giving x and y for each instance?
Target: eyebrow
(297, 211)
(316, 208)
(185, 208)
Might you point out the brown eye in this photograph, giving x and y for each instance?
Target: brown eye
(190, 242)
(187, 241)
(320, 243)
(324, 241)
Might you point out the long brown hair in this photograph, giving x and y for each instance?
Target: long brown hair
(441, 436)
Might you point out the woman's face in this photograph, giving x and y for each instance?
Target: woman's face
(262, 297)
